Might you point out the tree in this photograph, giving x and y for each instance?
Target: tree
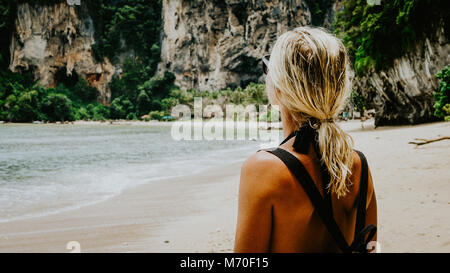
(442, 97)
(143, 103)
(85, 92)
(365, 28)
(28, 106)
(57, 107)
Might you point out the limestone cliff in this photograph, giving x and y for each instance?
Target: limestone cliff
(216, 44)
(54, 41)
(213, 44)
(403, 93)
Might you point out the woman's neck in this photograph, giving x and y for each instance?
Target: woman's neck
(289, 125)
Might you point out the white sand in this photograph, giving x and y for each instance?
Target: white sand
(198, 213)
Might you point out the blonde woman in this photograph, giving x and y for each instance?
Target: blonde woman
(313, 193)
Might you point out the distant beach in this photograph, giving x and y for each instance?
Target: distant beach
(197, 212)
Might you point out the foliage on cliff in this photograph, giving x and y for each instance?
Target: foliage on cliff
(7, 15)
(157, 95)
(21, 100)
(318, 9)
(377, 34)
(137, 92)
(124, 29)
(127, 26)
(442, 96)
(130, 30)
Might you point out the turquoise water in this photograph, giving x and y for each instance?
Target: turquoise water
(49, 168)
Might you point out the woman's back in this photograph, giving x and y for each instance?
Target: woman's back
(295, 224)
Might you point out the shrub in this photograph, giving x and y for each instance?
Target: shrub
(82, 114)
(22, 105)
(446, 108)
(377, 34)
(57, 107)
(156, 115)
(143, 103)
(441, 97)
(120, 108)
(131, 116)
(98, 111)
(357, 101)
(255, 94)
(83, 91)
(28, 106)
(101, 112)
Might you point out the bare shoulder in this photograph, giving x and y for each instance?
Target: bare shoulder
(356, 167)
(264, 171)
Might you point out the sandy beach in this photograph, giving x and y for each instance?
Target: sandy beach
(197, 213)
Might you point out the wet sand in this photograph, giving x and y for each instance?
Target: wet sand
(197, 213)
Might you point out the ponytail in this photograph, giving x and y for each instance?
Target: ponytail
(337, 154)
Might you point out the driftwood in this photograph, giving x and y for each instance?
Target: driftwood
(423, 141)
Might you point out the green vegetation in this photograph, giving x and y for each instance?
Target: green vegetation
(7, 13)
(21, 100)
(442, 97)
(318, 9)
(377, 34)
(357, 101)
(252, 94)
(127, 27)
(123, 28)
(136, 92)
(130, 30)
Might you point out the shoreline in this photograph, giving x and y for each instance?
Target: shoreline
(136, 220)
(198, 212)
(369, 123)
(94, 122)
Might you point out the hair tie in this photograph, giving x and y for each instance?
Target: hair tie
(306, 134)
(330, 120)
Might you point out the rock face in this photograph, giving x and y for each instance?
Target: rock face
(213, 44)
(403, 93)
(54, 41)
(336, 6)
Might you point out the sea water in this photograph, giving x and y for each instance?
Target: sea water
(49, 168)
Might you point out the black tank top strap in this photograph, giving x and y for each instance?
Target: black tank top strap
(302, 176)
(363, 235)
(303, 136)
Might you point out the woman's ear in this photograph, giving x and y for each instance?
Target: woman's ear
(271, 92)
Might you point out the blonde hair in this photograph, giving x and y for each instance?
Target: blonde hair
(308, 68)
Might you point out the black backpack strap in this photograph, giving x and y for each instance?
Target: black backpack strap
(303, 177)
(360, 242)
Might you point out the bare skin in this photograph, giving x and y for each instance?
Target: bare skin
(276, 215)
